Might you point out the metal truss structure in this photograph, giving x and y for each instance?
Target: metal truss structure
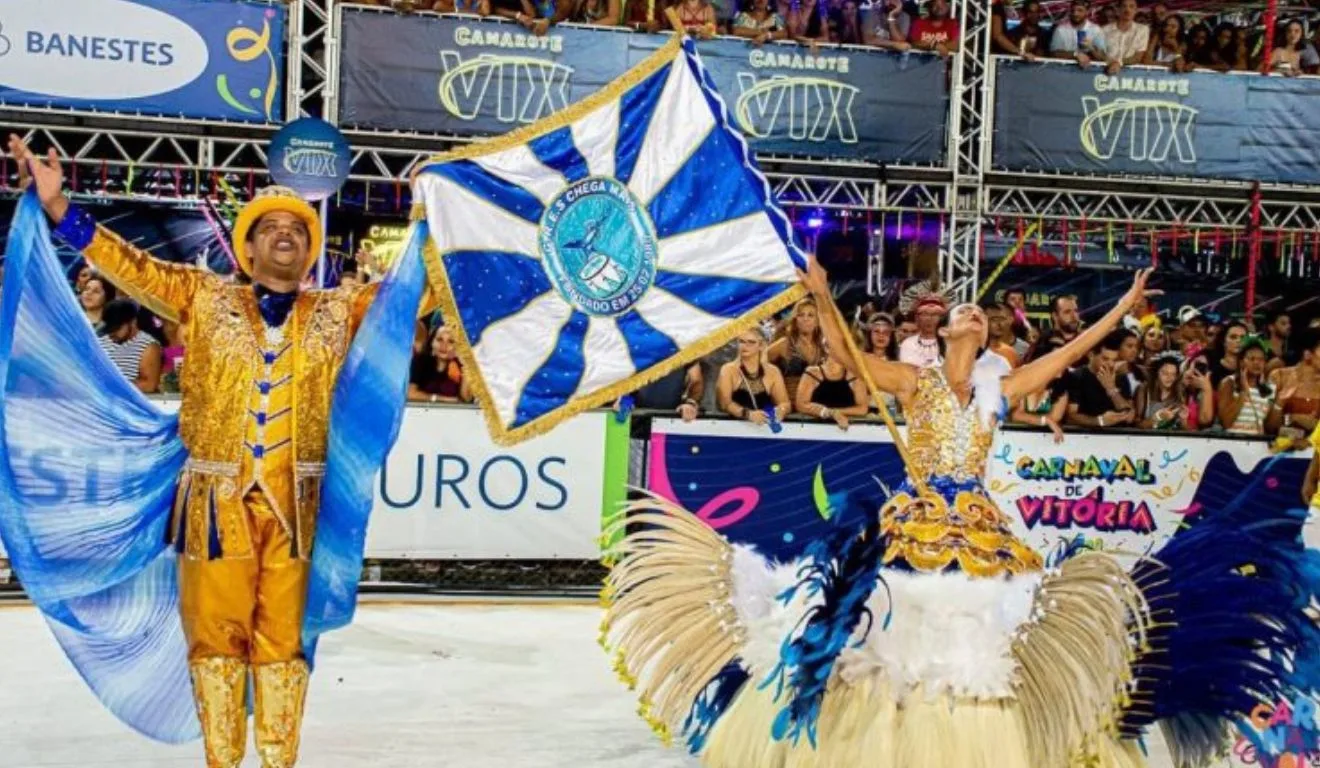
(116, 156)
(969, 118)
(1186, 206)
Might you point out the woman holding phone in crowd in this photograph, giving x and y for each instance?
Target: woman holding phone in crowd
(1247, 402)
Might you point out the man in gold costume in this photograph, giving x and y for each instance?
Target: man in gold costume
(256, 392)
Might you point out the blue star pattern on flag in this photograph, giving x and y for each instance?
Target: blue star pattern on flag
(597, 250)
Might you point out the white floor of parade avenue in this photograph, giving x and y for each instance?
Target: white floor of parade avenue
(417, 684)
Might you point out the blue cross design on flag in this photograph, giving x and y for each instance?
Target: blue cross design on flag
(590, 253)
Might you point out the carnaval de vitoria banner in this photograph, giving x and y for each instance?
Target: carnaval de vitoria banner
(199, 59)
(1052, 117)
(1125, 494)
(463, 77)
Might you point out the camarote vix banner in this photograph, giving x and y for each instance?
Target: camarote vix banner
(459, 76)
(175, 58)
(1051, 117)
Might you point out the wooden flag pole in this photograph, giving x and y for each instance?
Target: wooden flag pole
(859, 359)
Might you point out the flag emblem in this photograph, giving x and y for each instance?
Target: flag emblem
(588, 254)
(599, 246)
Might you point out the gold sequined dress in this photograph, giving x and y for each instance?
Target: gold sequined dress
(974, 656)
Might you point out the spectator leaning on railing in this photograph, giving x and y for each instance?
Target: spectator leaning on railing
(1080, 39)
(749, 385)
(134, 352)
(1097, 396)
(1162, 401)
(760, 23)
(937, 31)
(1028, 39)
(681, 390)
(1127, 39)
(1301, 410)
(886, 25)
(1246, 401)
(1166, 44)
(829, 393)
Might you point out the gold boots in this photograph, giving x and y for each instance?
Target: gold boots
(280, 690)
(219, 688)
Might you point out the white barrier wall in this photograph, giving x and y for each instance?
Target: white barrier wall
(448, 492)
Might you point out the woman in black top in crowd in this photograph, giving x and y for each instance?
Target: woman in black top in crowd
(749, 386)
(800, 344)
(830, 394)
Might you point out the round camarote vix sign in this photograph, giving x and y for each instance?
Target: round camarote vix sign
(311, 157)
(599, 246)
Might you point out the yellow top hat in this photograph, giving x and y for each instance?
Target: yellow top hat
(270, 200)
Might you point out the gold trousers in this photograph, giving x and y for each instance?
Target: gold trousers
(248, 611)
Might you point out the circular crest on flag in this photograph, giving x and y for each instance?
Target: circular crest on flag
(599, 246)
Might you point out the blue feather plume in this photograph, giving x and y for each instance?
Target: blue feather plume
(711, 705)
(842, 569)
(1227, 595)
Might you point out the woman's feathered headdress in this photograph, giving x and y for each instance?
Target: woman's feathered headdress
(925, 295)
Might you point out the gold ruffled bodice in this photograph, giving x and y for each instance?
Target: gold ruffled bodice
(956, 525)
(945, 439)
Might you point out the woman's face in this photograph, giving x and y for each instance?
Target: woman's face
(881, 333)
(1294, 33)
(1253, 362)
(749, 345)
(967, 321)
(442, 344)
(1172, 31)
(905, 329)
(1168, 374)
(1199, 37)
(1129, 350)
(1154, 340)
(805, 320)
(1224, 38)
(1233, 339)
(93, 295)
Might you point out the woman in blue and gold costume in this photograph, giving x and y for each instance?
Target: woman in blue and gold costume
(933, 636)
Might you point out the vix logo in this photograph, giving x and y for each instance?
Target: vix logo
(1140, 130)
(511, 89)
(312, 162)
(799, 108)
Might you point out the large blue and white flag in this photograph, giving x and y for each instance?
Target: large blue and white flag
(599, 249)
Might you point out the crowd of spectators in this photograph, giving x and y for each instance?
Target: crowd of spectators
(1090, 32)
(1188, 373)
(895, 24)
(1126, 33)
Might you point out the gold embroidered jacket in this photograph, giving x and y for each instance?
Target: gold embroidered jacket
(255, 401)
